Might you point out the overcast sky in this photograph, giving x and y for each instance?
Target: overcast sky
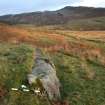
(20, 6)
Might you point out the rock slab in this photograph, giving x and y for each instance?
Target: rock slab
(44, 70)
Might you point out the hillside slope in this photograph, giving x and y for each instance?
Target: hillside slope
(61, 16)
(90, 24)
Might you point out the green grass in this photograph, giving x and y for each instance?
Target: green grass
(76, 85)
(46, 41)
(82, 81)
(16, 62)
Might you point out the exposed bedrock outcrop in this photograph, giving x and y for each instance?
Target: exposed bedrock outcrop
(45, 72)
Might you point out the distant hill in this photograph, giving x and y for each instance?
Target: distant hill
(61, 16)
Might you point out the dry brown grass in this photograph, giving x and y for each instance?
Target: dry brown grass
(17, 34)
(86, 34)
(42, 37)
